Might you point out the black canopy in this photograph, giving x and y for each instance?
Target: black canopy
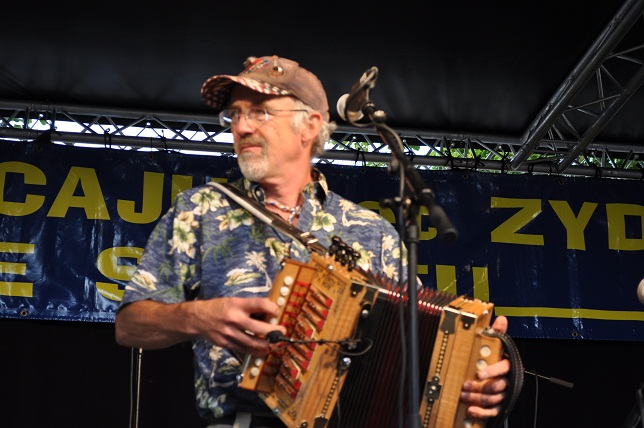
(460, 67)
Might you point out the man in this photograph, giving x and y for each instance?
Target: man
(209, 264)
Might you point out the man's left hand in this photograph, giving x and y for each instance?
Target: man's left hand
(487, 392)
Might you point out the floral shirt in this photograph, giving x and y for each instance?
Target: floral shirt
(206, 246)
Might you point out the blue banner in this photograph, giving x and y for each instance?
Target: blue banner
(560, 256)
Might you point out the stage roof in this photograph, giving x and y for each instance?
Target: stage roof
(505, 68)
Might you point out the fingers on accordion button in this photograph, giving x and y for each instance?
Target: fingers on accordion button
(481, 364)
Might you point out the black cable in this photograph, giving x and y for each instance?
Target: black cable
(554, 380)
(135, 385)
(536, 398)
(276, 337)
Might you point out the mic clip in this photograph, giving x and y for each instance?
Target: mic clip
(554, 380)
(353, 106)
(275, 337)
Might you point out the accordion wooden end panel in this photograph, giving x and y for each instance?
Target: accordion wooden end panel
(341, 365)
(320, 303)
(460, 349)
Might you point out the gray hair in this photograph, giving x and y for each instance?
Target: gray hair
(325, 131)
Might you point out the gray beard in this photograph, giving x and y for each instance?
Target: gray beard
(254, 167)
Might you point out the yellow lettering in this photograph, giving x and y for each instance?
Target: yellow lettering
(574, 225)
(16, 289)
(481, 283)
(446, 281)
(108, 264)
(15, 268)
(16, 247)
(32, 175)
(506, 232)
(92, 200)
(422, 269)
(431, 232)
(386, 213)
(151, 201)
(179, 184)
(617, 239)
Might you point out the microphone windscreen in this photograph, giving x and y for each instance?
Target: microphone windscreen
(341, 107)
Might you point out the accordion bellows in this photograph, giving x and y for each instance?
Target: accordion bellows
(341, 364)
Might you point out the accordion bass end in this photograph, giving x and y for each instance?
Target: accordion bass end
(341, 365)
(460, 349)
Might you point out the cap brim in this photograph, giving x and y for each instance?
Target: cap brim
(216, 90)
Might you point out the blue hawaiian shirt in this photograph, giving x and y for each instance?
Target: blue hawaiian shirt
(206, 246)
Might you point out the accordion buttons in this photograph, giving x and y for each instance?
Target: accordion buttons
(485, 351)
(288, 280)
(280, 301)
(284, 291)
(254, 372)
(481, 364)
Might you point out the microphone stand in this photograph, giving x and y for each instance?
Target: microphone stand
(416, 194)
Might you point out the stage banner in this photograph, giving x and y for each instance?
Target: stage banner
(561, 257)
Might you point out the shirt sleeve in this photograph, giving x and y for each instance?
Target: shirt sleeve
(168, 269)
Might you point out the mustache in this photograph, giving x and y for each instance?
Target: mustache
(250, 141)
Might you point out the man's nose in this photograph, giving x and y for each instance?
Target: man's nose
(244, 125)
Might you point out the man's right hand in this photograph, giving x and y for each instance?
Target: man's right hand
(233, 323)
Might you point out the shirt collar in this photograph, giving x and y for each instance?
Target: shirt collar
(317, 188)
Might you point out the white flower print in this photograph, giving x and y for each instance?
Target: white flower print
(256, 260)
(183, 237)
(240, 276)
(207, 199)
(144, 279)
(324, 221)
(235, 218)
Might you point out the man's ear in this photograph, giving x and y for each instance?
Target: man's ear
(312, 127)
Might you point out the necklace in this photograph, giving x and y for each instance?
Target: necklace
(293, 212)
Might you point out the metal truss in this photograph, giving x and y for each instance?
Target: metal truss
(135, 130)
(603, 81)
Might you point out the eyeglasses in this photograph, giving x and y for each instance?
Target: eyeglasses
(254, 115)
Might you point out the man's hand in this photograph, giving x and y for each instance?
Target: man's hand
(235, 323)
(486, 394)
(230, 322)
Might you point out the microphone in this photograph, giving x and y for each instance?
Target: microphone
(276, 337)
(554, 380)
(350, 105)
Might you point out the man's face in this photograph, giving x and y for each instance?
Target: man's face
(266, 149)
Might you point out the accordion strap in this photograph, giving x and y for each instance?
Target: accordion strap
(515, 377)
(269, 217)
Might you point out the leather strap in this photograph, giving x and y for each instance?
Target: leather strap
(269, 217)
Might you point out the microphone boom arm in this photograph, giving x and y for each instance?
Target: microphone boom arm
(418, 193)
(416, 186)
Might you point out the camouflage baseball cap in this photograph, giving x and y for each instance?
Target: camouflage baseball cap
(270, 75)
